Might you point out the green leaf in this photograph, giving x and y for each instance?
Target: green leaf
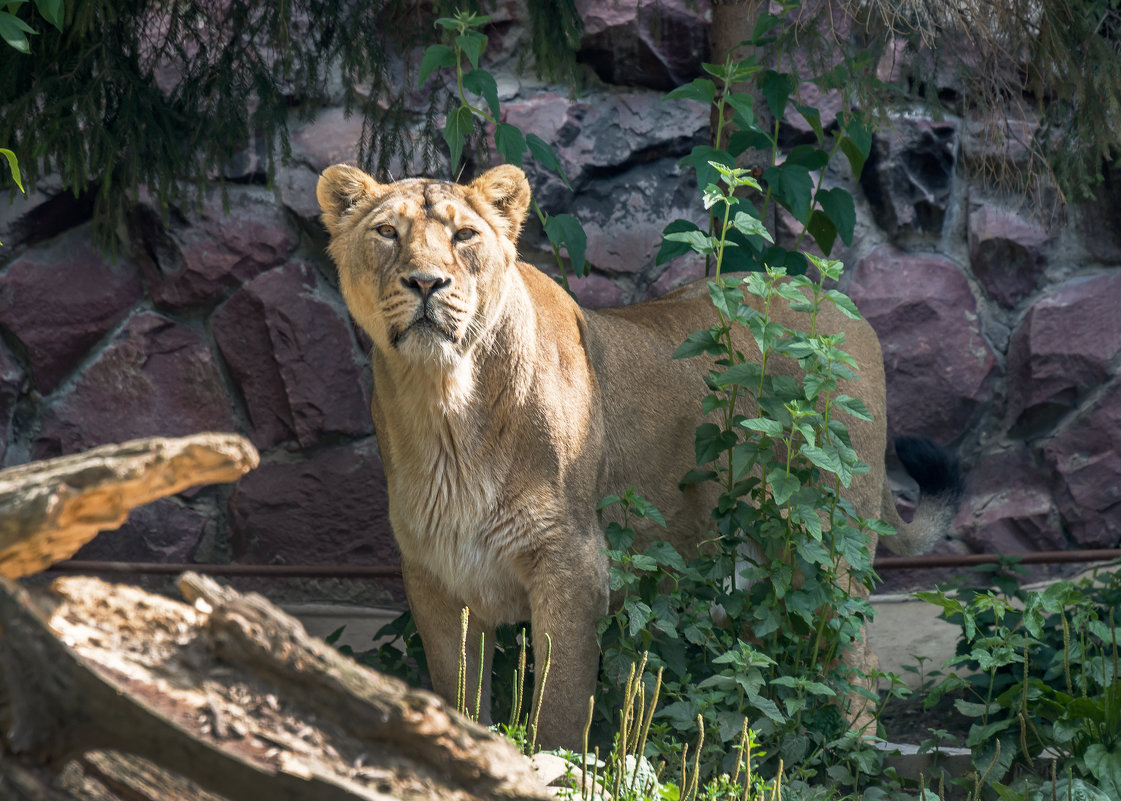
(783, 485)
(793, 187)
(510, 143)
(843, 302)
(822, 230)
(776, 88)
(472, 43)
(564, 229)
(813, 117)
(14, 31)
(839, 207)
(482, 83)
(52, 11)
(674, 248)
(546, 155)
(700, 89)
(697, 241)
(772, 428)
(697, 343)
(854, 406)
(808, 156)
(712, 441)
(751, 225)
(699, 159)
(856, 144)
(458, 126)
(435, 57)
(13, 165)
(1105, 765)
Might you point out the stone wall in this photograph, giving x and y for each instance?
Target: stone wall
(1001, 334)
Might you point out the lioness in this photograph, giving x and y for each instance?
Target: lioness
(504, 412)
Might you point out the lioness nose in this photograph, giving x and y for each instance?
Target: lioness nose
(425, 285)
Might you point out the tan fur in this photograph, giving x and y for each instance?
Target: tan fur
(503, 422)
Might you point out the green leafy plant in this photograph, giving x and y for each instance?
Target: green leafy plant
(1038, 674)
(750, 630)
(477, 93)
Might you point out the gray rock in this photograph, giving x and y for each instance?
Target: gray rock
(293, 358)
(11, 384)
(940, 369)
(659, 44)
(1086, 461)
(60, 298)
(162, 531)
(1006, 253)
(909, 174)
(205, 254)
(1008, 506)
(331, 508)
(1061, 350)
(156, 378)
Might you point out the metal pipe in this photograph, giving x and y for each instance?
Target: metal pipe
(268, 571)
(394, 571)
(970, 559)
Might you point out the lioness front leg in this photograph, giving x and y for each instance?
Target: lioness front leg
(567, 598)
(437, 614)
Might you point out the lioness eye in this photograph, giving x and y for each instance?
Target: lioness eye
(463, 234)
(388, 231)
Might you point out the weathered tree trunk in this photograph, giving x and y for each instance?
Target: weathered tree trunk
(50, 509)
(109, 693)
(231, 694)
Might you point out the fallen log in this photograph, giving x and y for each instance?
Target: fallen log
(50, 509)
(228, 693)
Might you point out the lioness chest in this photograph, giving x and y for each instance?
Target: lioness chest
(463, 510)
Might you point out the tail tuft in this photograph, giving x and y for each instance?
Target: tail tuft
(936, 471)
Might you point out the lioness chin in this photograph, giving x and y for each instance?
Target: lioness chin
(504, 412)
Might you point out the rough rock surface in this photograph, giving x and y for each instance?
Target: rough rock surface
(1064, 347)
(940, 368)
(331, 508)
(1000, 335)
(60, 299)
(290, 352)
(156, 378)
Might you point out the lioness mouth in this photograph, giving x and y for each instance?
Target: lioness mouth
(422, 323)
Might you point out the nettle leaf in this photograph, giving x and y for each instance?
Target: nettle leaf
(674, 248)
(435, 57)
(822, 230)
(700, 89)
(13, 166)
(699, 159)
(510, 143)
(697, 241)
(472, 43)
(839, 207)
(743, 374)
(776, 88)
(565, 230)
(808, 156)
(854, 406)
(783, 485)
(844, 303)
(697, 343)
(792, 186)
(856, 144)
(750, 225)
(772, 428)
(546, 155)
(482, 83)
(457, 128)
(813, 117)
(712, 441)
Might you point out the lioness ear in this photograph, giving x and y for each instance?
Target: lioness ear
(505, 187)
(340, 188)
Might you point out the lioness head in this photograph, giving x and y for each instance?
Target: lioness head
(422, 263)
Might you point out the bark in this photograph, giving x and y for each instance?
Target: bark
(50, 509)
(229, 694)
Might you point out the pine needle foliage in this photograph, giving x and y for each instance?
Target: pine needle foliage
(148, 95)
